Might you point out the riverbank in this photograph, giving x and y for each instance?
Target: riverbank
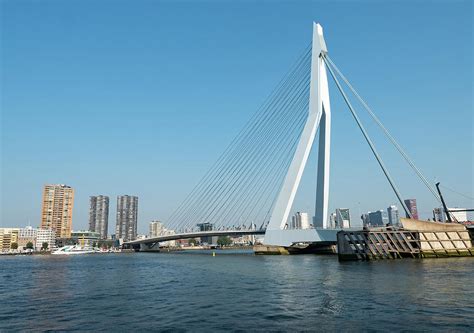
(42, 253)
(201, 248)
(47, 253)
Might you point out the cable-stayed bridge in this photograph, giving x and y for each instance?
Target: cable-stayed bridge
(255, 180)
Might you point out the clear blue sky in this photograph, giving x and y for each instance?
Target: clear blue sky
(140, 97)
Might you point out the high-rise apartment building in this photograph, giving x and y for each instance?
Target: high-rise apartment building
(438, 214)
(378, 218)
(393, 215)
(365, 220)
(99, 215)
(411, 205)
(300, 221)
(156, 229)
(56, 213)
(207, 227)
(127, 215)
(343, 218)
(332, 221)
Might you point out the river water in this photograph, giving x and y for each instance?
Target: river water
(234, 291)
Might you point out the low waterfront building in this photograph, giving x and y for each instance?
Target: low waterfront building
(8, 236)
(25, 236)
(45, 236)
(85, 238)
(460, 216)
(7, 240)
(439, 214)
(22, 236)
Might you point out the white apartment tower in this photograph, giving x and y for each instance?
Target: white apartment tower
(156, 229)
(300, 221)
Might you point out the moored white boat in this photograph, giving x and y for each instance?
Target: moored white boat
(74, 249)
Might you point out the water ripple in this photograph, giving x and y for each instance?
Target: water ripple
(182, 292)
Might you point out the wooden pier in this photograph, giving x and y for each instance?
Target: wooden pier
(417, 239)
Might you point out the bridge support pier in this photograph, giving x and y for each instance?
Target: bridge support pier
(147, 247)
(307, 248)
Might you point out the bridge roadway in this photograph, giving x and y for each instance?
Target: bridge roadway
(322, 235)
(195, 234)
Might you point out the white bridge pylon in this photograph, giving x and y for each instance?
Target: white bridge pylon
(319, 116)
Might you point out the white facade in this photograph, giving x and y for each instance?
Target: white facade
(459, 216)
(304, 221)
(440, 215)
(45, 236)
(332, 221)
(167, 232)
(300, 221)
(156, 229)
(319, 117)
(251, 238)
(28, 232)
(27, 235)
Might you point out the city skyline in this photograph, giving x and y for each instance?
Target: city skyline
(167, 131)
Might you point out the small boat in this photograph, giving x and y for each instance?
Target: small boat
(74, 249)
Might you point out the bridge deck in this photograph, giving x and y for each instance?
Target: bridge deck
(197, 234)
(211, 233)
